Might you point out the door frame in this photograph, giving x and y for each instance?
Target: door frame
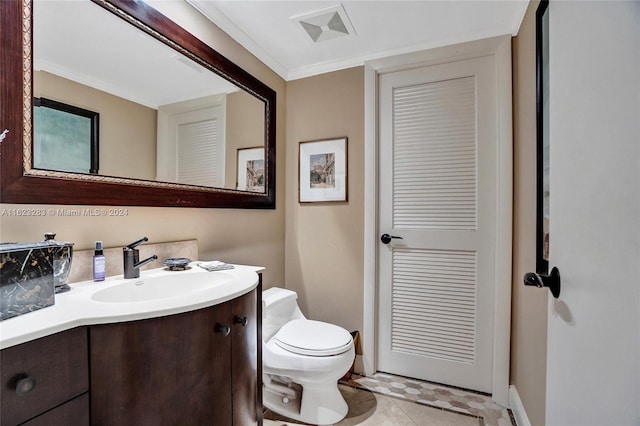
(500, 49)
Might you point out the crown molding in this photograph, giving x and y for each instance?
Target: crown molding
(225, 24)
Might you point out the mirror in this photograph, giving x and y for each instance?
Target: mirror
(179, 125)
(542, 135)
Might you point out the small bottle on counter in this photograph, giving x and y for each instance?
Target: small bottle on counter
(98, 263)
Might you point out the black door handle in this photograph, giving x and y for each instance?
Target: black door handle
(386, 238)
(552, 281)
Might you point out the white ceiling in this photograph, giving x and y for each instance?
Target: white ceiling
(382, 27)
(90, 50)
(104, 52)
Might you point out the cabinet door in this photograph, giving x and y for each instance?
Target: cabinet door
(48, 371)
(246, 364)
(165, 371)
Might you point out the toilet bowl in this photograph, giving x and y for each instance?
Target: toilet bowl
(302, 361)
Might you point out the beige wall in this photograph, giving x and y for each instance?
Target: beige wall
(127, 129)
(244, 129)
(241, 236)
(324, 241)
(529, 304)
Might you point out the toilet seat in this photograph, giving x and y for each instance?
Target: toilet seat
(313, 338)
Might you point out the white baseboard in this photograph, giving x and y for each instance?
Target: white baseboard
(515, 403)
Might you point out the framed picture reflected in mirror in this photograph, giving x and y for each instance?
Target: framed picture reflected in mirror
(251, 169)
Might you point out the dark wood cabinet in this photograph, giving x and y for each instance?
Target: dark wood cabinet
(246, 361)
(194, 368)
(39, 376)
(74, 412)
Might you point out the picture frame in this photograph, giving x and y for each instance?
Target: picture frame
(250, 169)
(322, 171)
(65, 137)
(542, 139)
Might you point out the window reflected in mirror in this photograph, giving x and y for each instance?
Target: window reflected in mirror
(65, 137)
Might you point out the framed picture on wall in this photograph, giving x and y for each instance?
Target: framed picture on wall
(251, 169)
(322, 170)
(65, 137)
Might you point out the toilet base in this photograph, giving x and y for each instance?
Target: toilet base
(316, 403)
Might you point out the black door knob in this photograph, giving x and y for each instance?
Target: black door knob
(386, 238)
(552, 281)
(241, 320)
(225, 330)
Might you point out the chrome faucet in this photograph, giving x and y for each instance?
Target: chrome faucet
(131, 255)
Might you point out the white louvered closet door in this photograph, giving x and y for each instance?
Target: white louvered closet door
(191, 144)
(438, 193)
(199, 154)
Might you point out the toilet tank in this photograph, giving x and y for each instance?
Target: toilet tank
(279, 306)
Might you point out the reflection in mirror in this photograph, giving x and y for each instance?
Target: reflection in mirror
(163, 116)
(542, 130)
(57, 124)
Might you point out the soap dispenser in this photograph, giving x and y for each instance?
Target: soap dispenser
(98, 263)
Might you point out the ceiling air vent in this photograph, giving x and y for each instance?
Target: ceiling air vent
(326, 24)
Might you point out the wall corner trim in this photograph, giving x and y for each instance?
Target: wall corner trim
(515, 403)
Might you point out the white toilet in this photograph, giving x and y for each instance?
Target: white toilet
(302, 361)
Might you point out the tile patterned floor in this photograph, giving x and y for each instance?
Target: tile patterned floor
(367, 408)
(436, 395)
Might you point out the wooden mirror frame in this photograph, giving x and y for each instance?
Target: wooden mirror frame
(21, 185)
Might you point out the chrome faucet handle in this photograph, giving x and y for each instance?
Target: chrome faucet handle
(135, 244)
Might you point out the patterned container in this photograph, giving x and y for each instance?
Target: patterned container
(26, 278)
(62, 257)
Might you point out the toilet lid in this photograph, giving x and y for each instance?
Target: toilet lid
(315, 338)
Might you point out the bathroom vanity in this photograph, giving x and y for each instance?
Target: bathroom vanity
(46, 380)
(192, 359)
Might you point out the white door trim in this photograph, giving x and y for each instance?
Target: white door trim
(500, 48)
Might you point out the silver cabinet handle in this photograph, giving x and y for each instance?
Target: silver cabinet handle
(25, 385)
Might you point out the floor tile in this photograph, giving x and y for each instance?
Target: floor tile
(423, 415)
(437, 395)
(367, 408)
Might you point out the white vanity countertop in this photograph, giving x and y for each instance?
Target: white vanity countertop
(78, 306)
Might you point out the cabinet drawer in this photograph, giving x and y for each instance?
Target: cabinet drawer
(72, 413)
(57, 367)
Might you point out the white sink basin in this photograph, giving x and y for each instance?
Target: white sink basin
(145, 289)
